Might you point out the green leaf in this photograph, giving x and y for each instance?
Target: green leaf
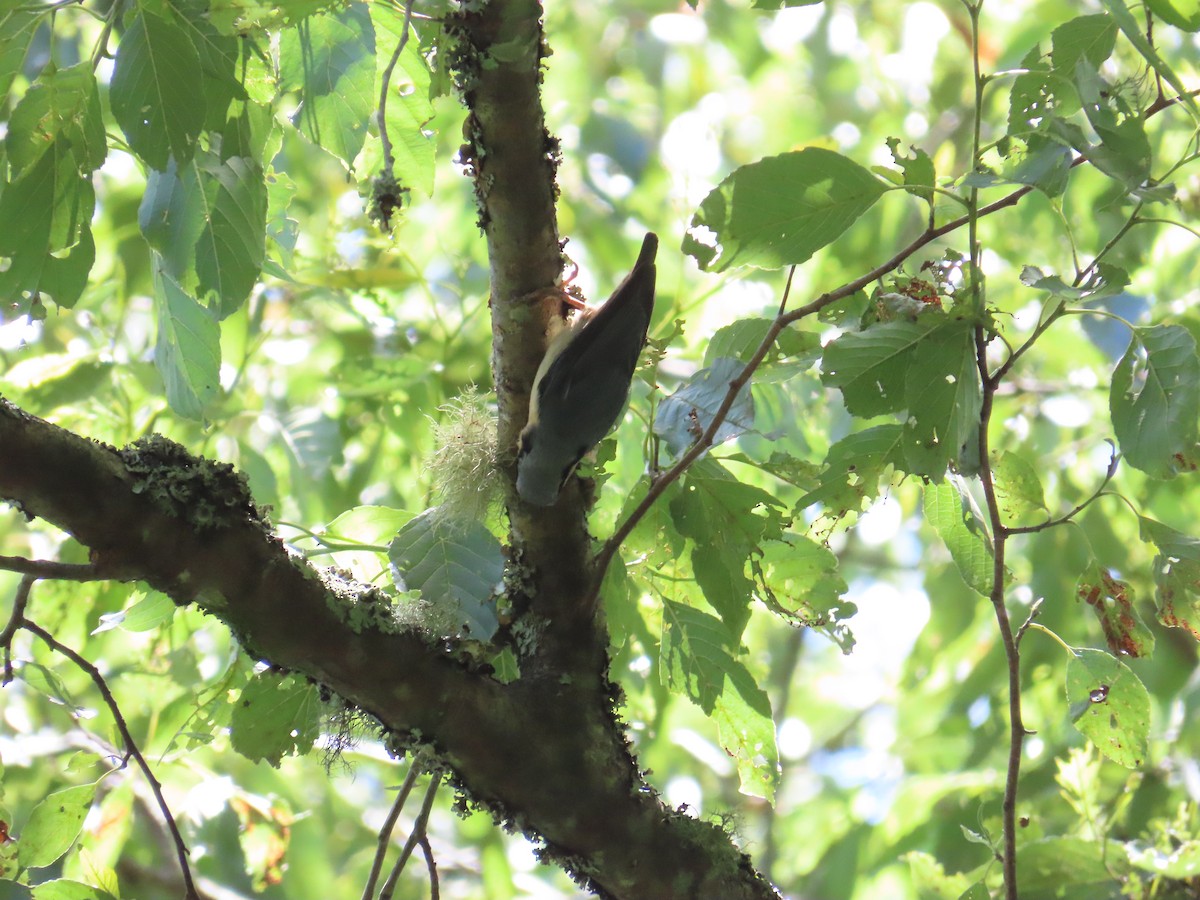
(188, 351)
(931, 879)
(1183, 14)
(949, 512)
(925, 366)
(224, 64)
(780, 210)
(49, 683)
(801, 581)
(149, 612)
(944, 398)
(62, 104)
(230, 254)
(46, 211)
(1155, 401)
(1183, 862)
(17, 28)
(62, 889)
(153, 610)
(1176, 575)
(330, 60)
(1051, 867)
(1109, 706)
(367, 525)
(156, 90)
(771, 4)
(696, 661)
(1123, 150)
(871, 366)
(457, 566)
(1091, 38)
(854, 469)
(1135, 34)
(1018, 488)
(792, 351)
(275, 716)
(918, 170)
(1113, 603)
(719, 514)
(54, 825)
(207, 220)
(684, 416)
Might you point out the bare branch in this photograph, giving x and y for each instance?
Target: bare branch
(385, 832)
(15, 621)
(131, 747)
(418, 832)
(45, 568)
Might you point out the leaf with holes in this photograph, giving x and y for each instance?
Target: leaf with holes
(779, 211)
(947, 509)
(1155, 401)
(1109, 706)
(697, 662)
(1112, 602)
(54, 825)
(275, 717)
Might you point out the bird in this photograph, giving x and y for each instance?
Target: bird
(583, 381)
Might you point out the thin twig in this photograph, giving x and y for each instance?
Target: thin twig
(1011, 651)
(131, 747)
(15, 621)
(435, 891)
(418, 831)
(1035, 610)
(46, 568)
(1113, 463)
(385, 832)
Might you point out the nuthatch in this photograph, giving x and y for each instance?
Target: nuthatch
(581, 385)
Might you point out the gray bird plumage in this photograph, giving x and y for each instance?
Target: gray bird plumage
(583, 381)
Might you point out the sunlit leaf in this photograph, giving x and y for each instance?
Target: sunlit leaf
(188, 352)
(54, 825)
(780, 210)
(1183, 14)
(330, 60)
(275, 716)
(156, 96)
(63, 889)
(1109, 705)
(697, 661)
(726, 519)
(1155, 401)
(1018, 489)
(855, 470)
(947, 509)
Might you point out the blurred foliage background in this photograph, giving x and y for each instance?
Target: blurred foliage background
(336, 371)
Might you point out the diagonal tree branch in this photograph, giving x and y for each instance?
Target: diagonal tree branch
(544, 753)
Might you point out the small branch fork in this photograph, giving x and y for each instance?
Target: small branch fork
(33, 570)
(416, 837)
